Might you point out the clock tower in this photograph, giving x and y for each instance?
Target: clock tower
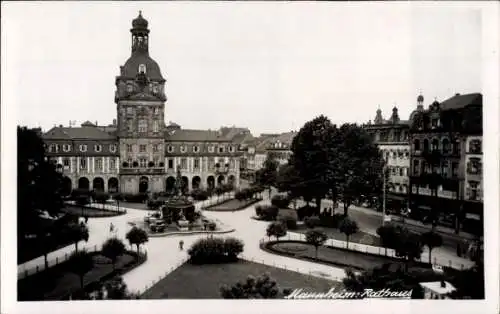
(140, 103)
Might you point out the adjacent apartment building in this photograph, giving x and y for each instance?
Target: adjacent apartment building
(391, 136)
(446, 161)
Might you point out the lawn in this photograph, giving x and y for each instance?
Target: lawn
(57, 282)
(343, 258)
(30, 248)
(204, 281)
(232, 204)
(89, 212)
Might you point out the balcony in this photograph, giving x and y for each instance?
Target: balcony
(144, 171)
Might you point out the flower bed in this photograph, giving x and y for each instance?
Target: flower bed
(232, 205)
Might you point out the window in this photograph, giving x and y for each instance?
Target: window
(221, 149)
(434, 123)
(196, 149)
(112, 148)
(83, 163)
(456, 147)
(129, 148)
(473, 190)
(211, 163)
(454, 169)
(97, 148)
(156, 110)
(130, 163)
(130, 125)
(407, 154)
(183, 149)
(475, 147)
(446, 146)
(400, 154)
(416, 167)
(210, 149)
(401, 171)
(395, 171)
(196, 163)
(143, 162)
(156, 161)
(143, 126)
(66, 162)
(231, 149)
(66, 147)
(170, 164)
(426, 145)
(155, 127)
(183, 163)
(394, 154)
(435, 144)
(386, 155)
(142, 68)
(170, 149)
(83, 148)
(98, 163)
(155, 89)
(474, 166)
(112, 164)
(130, 110)
(142, 148)
(130, 88)
(416, 145)
(232, 164)
(445, 168)
(155, 148)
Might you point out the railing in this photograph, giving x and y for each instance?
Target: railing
(142, 170)
(368, 249)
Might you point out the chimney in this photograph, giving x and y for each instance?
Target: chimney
(60, 125)
(96, 123)
(114, 122)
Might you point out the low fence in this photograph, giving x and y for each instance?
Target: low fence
(369, 249)
(116, 208)
(23, 271)
(303, 271)
(155, 281)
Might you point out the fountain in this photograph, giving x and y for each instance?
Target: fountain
(178, 205)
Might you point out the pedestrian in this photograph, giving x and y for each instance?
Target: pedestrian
(181, 245)
(111, 227)
(86, 219)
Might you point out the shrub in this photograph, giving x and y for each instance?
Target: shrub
(135, 198)
(215, 250)
(199, 195)
(267, 212)
(82, 200)
(117, 196)
(154, 204)
(101, 197)
(312, 222)
(281, 201)
(331, 221)
(276, 229)
(305, 211)
(112, 249)
(79, 192)
(289, 219)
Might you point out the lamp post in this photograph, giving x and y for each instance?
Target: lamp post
(384, 169)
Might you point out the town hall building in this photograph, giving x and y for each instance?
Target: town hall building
(138, 152)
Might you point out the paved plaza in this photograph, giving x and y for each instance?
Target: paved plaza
(164, 254)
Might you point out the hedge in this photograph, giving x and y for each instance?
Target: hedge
(215, 250)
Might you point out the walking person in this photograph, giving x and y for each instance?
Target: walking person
(181, 245)
(111, 227)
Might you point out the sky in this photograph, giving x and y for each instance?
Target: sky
(266, 66)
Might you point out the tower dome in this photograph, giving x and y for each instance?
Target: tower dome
(140, 22)
(420, 98)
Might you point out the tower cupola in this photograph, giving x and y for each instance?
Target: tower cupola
(140, 35)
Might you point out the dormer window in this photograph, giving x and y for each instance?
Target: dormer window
(83, 148)
(221, 149)
(130, 88)
(231, 149)
(210, 149)
(66, 147)
(155, 89)
(196, 149)
(97, 148)
(112, 148)
(142, 68)
(183, 149)
(170, 149)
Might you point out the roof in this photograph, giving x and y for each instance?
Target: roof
(72, 133)
(185, 135)
(435, 286)
(461, 101)
(131, 68)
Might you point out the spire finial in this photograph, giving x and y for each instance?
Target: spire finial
(140, 12)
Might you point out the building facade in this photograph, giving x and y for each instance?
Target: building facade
(445, 141)
(391, 137)
(139, 152)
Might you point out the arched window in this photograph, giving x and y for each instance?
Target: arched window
(435, 144)
(446, 145)
(426, 145)
(142, 68)
(416, 145)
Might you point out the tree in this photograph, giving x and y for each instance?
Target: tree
(77, 232)
(316, 238)
(408, 246)
(348, 227)
(80, 263)
(431, 240)
(112, 249)
(137, 236)
(39, 185)
(268, 174)
(277, 229)
(311, 158)
(388, 236)
(356, 166)
(262, 287)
